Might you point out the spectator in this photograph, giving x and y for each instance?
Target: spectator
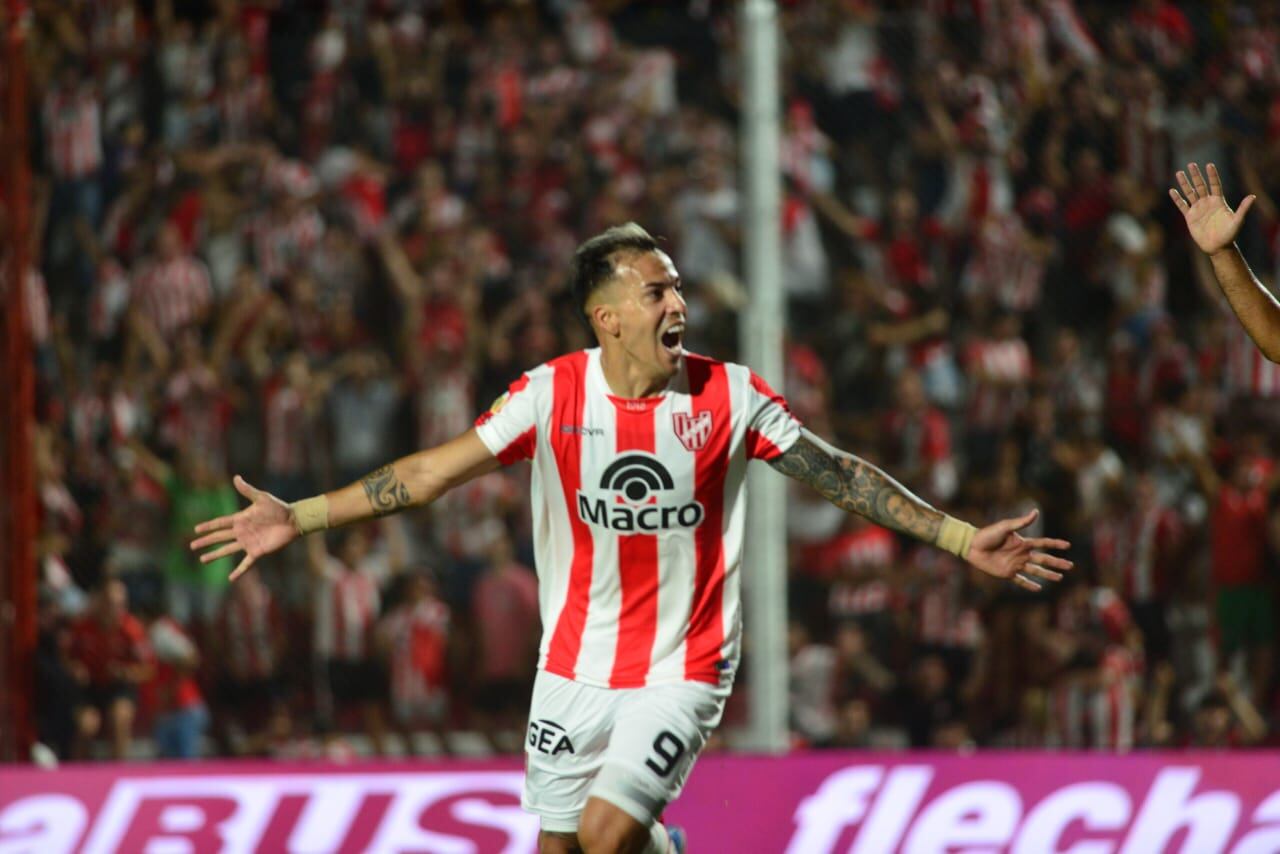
(812, 690)
(65, 722)
(919, 437)
(347, 601)
(195, 491)
(72, 120)
(947, 619)
(291, 411)
(109, 658)
(1225, 718)
(1238, 532)
(171, 290)
(930, 707)
(1138, 547)
(361, 242)
(249, 643)
(181, 716)
(999, 367)
(362, 402)
(504, 604)
(865, 589)
(415, 638)
(853, 725)
(859, 674)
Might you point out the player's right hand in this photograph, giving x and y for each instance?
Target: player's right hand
(1212, 223)
(263, 527)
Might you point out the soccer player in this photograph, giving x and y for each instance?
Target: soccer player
(1213, 226)
(639, 452)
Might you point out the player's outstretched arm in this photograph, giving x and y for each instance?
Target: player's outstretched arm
(856, 485)
(269, 524)
(1214, 226)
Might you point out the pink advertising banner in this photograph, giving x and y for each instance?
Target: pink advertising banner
(1023, 803)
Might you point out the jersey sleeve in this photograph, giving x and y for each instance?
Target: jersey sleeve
(771, 428)
(509, 429)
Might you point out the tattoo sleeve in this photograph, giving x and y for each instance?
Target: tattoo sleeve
(386, 493)
(859, 487)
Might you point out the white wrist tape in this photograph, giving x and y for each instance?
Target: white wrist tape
(955, 536)
(311, 514)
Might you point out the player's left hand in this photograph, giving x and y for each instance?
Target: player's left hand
(1000, 550)
(1210, 220)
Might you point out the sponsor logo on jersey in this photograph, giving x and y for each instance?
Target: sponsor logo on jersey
(636, 498)
(579, 430)
(549, 738)
(693, 429)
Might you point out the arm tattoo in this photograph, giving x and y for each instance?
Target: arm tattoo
(386, 493)
(859, 487)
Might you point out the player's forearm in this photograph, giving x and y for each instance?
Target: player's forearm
(857, 486)
(1257, 309)
(410, 481)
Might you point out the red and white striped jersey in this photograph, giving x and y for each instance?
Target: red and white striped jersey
(346, 607)
(172, 294)
(73, 133)
(1136, 549)
(418, 638)
(442, 400)
(286, 430)
(243, 110)
(1002, 267)
(245, 620)
(1100, 713)
(472, 516)
(1001, 370)
(1248, 373)
(639, 508)
(280, 244)
(945, 609)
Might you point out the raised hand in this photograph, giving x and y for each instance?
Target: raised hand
(1000, 550)
(1212, 223)
(263, 527)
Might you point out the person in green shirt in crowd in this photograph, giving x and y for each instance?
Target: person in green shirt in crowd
(197, 490)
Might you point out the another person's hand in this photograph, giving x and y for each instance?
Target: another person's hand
(1212, 223)
(265, 526)
(1000, 550)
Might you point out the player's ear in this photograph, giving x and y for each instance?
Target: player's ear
(605, 318)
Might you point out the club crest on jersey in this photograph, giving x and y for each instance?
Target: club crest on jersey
(636, 498)
(693, 429)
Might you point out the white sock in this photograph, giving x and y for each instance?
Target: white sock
(659, 841)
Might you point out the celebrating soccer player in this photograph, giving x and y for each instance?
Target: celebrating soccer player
(1213, 226)
(639, 451)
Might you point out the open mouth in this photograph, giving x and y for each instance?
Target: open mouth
(673, 339)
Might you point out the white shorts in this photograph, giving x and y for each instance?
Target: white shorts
(633, 747)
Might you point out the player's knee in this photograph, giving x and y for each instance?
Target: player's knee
(606, 829)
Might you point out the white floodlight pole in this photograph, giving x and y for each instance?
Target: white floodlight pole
(761, 333)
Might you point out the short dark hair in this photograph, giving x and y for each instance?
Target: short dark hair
(593, 261)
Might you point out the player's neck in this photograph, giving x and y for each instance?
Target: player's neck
(626, 378)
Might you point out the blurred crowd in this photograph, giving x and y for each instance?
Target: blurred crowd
(293, 240)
